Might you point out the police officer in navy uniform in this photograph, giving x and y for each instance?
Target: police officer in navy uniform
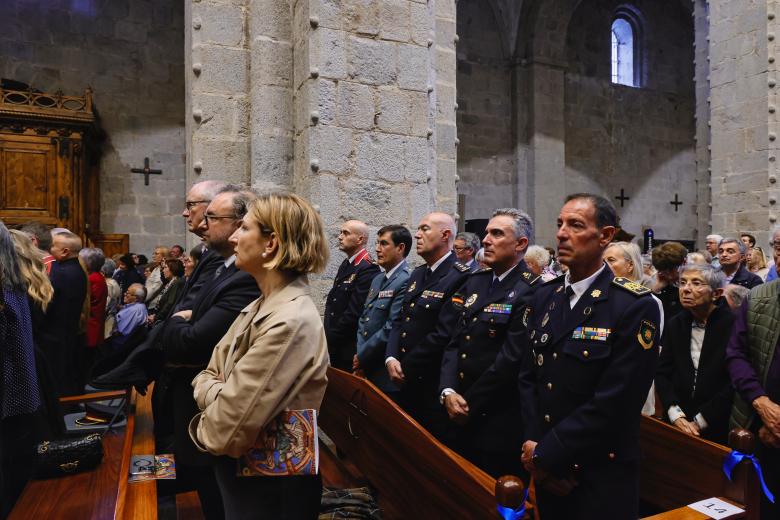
(478, 380)
(422, 330)
(346, 298)
(593, 342)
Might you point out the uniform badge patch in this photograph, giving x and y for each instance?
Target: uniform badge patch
(457, 300)
(413, 286)
(646, 334)
(471, 300)
(386, 294)
(432, 294)
(499, 308)
(525, 318)
(595, 293)
(351, 278)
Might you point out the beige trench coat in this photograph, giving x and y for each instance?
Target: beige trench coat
(273, 358)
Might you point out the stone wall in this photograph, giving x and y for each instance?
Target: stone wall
(130, 52)
(638, 139)
(486, 161)
(743, 115)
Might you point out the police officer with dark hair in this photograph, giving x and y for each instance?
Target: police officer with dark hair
(346, 297)
(478, 378)
(593, 341)
(422, 329)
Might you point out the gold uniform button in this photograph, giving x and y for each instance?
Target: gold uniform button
(549, 386)
(461, 375)
(365, 333)
(468, 338)
(403, 334)
(555, 355)
(492, 320)
(612, 456)
(369, 305)
(546, 418)
(576, 467)
(403, 351)
(427, 306)
(408, 318)
(463, 356)
(474, 318)
(332, 313)
(411, 304)
(585, 353)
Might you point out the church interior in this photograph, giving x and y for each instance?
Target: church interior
(385, 111)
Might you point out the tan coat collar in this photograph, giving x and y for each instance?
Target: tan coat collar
(295, 289)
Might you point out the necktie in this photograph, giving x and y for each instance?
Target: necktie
(493, 284)
(428, 273)
(219, 271)
(569, 293)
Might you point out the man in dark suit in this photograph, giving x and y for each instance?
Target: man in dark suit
(592, 357)
(385, 297)
(350, 288)
(478, 378)
(60, 338)
(421, 331)
(731, 253)
(190, 334)
(692, 378)
(465, 247)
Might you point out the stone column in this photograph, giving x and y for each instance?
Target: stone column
(217, 87)
(373, 138)
(743, 100)
(702, 115)
(547, 169)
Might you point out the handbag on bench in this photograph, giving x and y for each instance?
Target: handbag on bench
(62, 457)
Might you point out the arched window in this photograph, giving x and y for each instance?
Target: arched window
(624, 53)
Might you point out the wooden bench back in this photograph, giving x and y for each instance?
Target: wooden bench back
(678, 469)
(401, 459)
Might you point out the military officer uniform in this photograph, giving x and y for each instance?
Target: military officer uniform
(583, 383)
(383, 304)
(343, 307)
(419, 336)
(489, 310)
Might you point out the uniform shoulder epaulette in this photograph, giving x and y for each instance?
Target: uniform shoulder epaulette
(631, 286)
(463, 268)
(482, 270)
(530, 277)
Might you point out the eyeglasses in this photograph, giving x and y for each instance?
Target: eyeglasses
(696, 285)
(776, 244)
(192, 203)
(459, 249)
(208, 217)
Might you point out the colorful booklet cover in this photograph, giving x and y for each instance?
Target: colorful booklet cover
(287, 446)
(152, 467)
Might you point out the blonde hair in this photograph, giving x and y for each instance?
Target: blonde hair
(631, 253)
(39, 288)
(299, 229)
(761, 264)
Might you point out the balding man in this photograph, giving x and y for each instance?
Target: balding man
(346, 298)
(59, 337)
(421, 331)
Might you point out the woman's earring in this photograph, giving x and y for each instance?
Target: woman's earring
(263, 255)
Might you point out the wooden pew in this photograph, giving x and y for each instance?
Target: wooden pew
(416, 476)
(104, 491)
(679, 469)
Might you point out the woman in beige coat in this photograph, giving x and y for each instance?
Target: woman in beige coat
(273, 358)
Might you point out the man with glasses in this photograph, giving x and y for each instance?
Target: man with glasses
(466, 247)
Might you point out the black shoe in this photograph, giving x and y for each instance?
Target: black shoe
(123, 376)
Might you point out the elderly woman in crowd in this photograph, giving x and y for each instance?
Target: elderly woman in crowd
(538, 260)
(692, 380)
(19, 394)
(625, 259)
(173, 271)
(93, 258)
(273, 358)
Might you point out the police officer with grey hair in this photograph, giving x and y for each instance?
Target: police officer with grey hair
(478, 376)
(590, 354)
(466, 246)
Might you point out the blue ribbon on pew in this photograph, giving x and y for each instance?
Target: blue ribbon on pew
(734, 458)
(507, 513)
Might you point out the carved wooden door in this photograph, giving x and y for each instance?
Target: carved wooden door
(37, 182)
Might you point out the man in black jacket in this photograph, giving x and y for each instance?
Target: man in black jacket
(692, 379)
(346, 298)
(731, 253)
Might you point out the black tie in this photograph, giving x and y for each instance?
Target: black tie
(493, 284)
(569, 293)
(219, 271)
(428, 273)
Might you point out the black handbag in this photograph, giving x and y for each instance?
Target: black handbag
(63, 457)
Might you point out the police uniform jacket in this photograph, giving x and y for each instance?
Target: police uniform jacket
(383, 304)
(422, 330)
(474, 363)
(343, 307)
(589, 370)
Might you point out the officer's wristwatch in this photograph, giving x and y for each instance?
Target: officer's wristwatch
(444, 394)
